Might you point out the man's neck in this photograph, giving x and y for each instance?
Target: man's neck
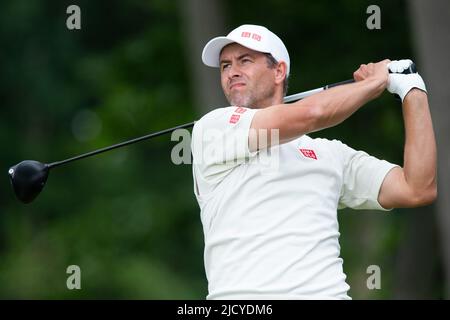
(271, 101)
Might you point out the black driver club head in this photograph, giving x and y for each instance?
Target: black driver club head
(28, 178)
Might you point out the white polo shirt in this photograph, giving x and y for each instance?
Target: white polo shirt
(270, 217)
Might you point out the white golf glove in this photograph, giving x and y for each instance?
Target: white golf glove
(401, 84)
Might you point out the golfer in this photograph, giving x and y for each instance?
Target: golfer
(273, 234)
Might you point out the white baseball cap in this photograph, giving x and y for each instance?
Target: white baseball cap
(251, 36)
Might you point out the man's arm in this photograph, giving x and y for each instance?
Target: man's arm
(414, 184)
(325, 109)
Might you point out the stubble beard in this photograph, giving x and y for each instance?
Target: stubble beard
(250, 99)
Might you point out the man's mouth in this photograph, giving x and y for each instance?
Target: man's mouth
(237, 85)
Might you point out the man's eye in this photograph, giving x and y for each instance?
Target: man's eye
(225, 65)
(246, 60)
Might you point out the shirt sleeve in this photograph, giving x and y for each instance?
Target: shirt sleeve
(220, 143)
(363, 176)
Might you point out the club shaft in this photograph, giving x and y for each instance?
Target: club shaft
(299, 96)
(288, 99)
(119, 145)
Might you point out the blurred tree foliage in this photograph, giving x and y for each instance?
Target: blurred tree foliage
(129, 218)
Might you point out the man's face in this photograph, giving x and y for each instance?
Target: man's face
(246, 79)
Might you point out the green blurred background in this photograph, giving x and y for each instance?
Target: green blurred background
(129, 217)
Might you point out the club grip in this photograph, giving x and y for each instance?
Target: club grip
(412, 69)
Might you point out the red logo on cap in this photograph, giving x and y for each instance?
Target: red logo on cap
(309, 153)
(256, 37)
(240, 110)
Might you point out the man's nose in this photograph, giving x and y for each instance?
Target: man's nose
(234, 71)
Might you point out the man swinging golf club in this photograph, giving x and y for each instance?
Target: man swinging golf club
(275, 235)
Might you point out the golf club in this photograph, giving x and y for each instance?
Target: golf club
(28, 177)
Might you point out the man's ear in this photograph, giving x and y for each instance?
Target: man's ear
(280, 72)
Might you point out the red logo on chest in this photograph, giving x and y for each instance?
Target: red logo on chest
(309, 153)
(240, 110)
(234, 118)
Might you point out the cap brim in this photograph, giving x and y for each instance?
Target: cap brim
(211, 51)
